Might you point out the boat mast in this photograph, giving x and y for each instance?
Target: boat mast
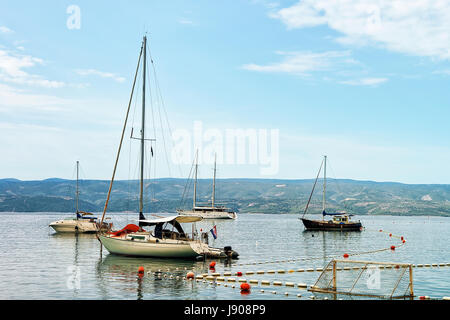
(121, 137)
(324, 184)
(214, 181)
(312, 191)
(141, 193)
(195, 181)
(77, 192)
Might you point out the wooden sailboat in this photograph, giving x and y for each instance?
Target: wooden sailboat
(84, 222)
(340, 220)
(164, 236)
(208, 212)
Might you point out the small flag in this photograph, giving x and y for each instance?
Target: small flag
(214, 232)
(151, 150)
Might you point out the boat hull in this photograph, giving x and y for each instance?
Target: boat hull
(148, 249)
(327, 226)
(74, 226)
(209, 215)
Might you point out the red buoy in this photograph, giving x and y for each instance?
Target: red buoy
(245, 288)
(401, 238)
(141, 269)
(392, 247)
(239, 273)
(190, 275)
(390, 234)
(381, 230)
(212, 265)
(345, 255)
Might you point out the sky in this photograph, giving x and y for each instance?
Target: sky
(363, 82)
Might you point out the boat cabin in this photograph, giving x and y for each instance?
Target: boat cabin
(341, 219)
(170, 227)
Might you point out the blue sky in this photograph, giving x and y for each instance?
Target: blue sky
(366, 84)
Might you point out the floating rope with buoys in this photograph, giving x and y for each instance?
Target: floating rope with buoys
(345, 255)
(235, 280)
(230, 279)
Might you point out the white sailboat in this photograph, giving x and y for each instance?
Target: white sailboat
(208, 212)
(165, 237)
(84, 222)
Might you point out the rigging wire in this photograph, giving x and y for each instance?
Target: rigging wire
(158, 92)
(156, 98)
(188, 184)
(338, 187)
(312, 191)
(130, 181)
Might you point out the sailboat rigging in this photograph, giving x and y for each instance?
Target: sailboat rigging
(167, 239)
(84, 222)
(340, 221)
(208, 212)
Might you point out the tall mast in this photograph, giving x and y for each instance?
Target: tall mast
(195, 181)
(141, 194)
(324, 182)
(121, 137)
(77, 192)
(214, 181)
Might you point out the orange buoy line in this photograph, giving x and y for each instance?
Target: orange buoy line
(229, 281)
(345, 255)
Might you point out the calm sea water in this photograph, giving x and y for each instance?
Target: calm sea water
(37, 263)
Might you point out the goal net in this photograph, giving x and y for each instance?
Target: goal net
(366, 278)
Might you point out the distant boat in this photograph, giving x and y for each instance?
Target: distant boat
(84, 222)
(340, 220)
(167, 239)
(208, 212)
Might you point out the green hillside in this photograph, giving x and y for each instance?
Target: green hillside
(245, 195)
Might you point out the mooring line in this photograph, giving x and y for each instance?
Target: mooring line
(331, 256)
(235, 282)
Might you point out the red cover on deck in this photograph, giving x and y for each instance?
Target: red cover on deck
(129, 228)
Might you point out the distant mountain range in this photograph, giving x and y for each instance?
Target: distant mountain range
(245, 195)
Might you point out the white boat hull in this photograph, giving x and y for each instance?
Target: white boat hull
(209, 215)
(74, 226)
(162, 249)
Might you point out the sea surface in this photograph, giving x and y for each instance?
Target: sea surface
(37, 263)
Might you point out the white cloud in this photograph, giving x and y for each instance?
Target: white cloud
(11, 70)
(12, 98)
(185, 21)
(415, 27)
(4, 29)
(365, 81)
(444, 72)
(302, 63)
(87, 72)
(266, 3)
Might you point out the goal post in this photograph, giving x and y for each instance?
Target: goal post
(366, 278)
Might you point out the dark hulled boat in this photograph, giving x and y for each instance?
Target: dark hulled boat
(340, 220)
